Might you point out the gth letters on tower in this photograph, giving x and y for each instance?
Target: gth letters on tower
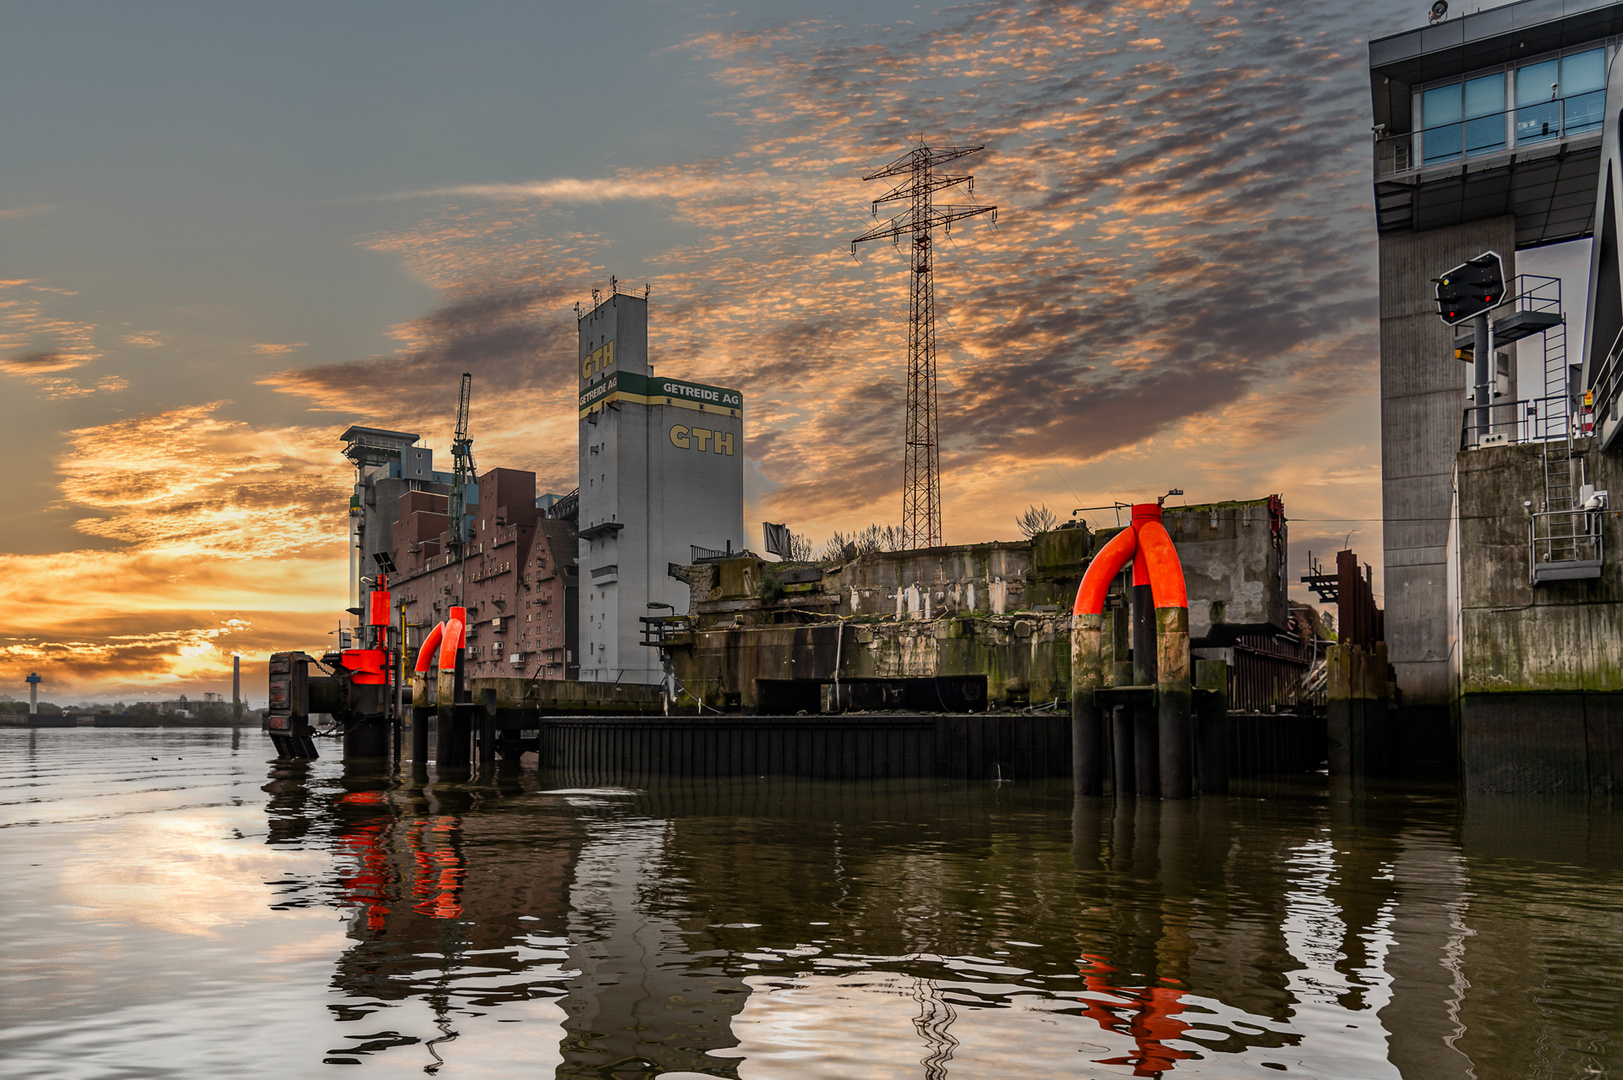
(698, 438)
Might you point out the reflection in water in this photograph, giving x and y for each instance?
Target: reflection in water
(934, 1024)
(744, 929)
(1147, 1015)
(166, 903)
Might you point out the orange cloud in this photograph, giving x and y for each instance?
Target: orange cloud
(39, 363)
(37, 343)
(225, 538)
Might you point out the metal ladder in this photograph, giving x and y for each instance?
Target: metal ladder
(1562, 471)
(1555, 363)
(1563, 475)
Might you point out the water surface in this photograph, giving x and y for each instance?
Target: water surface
(176, 904)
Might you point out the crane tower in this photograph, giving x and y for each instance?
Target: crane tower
(463, 469)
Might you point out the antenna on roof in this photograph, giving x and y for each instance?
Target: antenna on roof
(1439, 11)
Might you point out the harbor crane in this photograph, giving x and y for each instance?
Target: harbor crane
(463, 469)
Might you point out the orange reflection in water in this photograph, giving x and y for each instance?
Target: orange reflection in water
(436, 869)
(368, 886)
(1148, 1015)
(440, 866)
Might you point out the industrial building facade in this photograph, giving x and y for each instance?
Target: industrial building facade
(661, 484)
(516, 578)
(560, 587)
(388, 466)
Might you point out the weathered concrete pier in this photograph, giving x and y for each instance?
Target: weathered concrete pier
(868, 668)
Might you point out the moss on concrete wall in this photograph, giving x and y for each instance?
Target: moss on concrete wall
(999, 609)
(1025, 658)
(1511, 637)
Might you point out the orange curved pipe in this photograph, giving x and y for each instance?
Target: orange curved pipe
(454, 638)
(1155, 563)
(1143, 512)
(1090, 596)
(425, 655)
(1166, 571)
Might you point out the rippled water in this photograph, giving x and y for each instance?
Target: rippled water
(173, 904)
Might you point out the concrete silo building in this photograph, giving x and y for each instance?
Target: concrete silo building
(661, 485)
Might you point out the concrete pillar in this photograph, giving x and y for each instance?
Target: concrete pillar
(1146, 724)
(1175, 731)
(1212, 726)
(1423, 397)
(1087, 720)
(1124, 771)
(367, 739)
(451, 730)
(1356, 721)
(1123, 776)
(420, 715)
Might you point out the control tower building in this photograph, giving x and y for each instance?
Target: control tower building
(661, 484)
(1488, 137)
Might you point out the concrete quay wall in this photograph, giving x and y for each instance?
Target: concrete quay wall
(1539, 670)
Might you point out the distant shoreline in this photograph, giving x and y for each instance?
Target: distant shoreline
(22, 720)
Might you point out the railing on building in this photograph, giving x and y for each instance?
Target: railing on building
(1523, 421)
(566, 508)
(1564, 537)
(1567, 545)
(1532, 307)
(1524, 127)
(1605, 389)
(1538, 294)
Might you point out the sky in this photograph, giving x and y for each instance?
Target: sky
(229, 231)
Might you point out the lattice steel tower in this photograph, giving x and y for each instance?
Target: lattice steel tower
(921, 481)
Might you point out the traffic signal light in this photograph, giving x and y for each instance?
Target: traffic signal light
(1471, 288)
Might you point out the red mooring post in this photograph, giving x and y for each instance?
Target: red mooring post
(1168, 746)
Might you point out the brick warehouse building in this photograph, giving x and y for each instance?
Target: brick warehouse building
(518, 580)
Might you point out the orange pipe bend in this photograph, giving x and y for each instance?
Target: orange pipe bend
(1090, 596)
(1166, 571)
(1143, 512)
(456, 635)
(425, 655)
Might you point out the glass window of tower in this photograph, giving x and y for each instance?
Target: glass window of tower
(1560, 96)
(1463, 118)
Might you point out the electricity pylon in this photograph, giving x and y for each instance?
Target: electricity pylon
(921, 477)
